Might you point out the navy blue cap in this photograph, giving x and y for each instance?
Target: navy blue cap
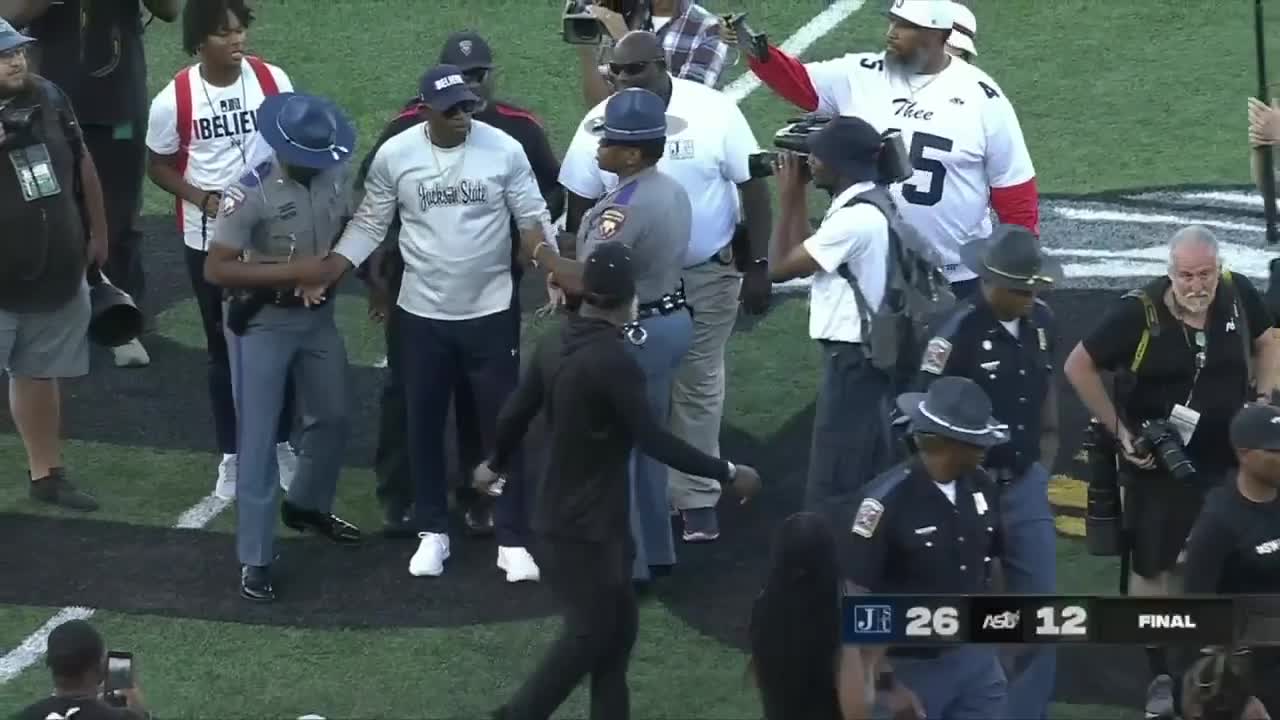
(467, 50)
(443, 87)
(635, 115)
(850, 145)
(10, 38)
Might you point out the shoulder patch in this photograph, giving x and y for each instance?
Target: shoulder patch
(232, 200)
(868, 518)
(258, 174)
(610, 222)
(935, 356)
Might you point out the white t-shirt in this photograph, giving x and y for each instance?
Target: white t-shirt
(708, 158)
(859, 236)
(455, 209)
(960, 130)
(224, 124)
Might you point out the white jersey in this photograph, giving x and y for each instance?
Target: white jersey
(456, 206)
(961, 132)
(223, 126)
(708, 158)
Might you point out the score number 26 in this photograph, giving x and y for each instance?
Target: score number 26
(1074, 620)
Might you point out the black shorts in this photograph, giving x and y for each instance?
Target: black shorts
(1159, 513)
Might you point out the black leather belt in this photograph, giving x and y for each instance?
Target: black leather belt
(281, 298)
(664, 305)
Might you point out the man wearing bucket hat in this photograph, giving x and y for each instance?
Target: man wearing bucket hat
(964, 33)
(649, 212)
(288, 208)
(931, 526)
(1003, 338)
(964, 138)
(456, 184)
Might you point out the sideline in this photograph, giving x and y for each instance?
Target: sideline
(29, 652)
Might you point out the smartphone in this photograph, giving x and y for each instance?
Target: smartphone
(119, 671)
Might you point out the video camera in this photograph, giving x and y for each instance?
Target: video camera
(893, 165)
(582, 28)
(119, 677)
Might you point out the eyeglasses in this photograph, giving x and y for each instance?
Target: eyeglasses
(476, 75)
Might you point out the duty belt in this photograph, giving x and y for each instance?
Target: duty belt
(664, 305)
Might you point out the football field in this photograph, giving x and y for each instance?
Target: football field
(1134, 113)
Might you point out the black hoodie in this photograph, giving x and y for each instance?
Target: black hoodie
(597, 412)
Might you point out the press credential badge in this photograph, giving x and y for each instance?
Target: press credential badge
(1185, 420)
(35, 172)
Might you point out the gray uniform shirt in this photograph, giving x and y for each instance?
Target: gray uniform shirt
(649, 212)
(272, 218)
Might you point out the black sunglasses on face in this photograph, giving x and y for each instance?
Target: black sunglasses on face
(465, 107)
(475, 75)
(634, 68)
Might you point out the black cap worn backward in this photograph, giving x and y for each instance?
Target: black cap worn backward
(467, 50)
(849, 145)
(1256, 427)
(608, 277)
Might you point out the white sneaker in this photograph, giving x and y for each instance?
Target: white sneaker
(518, 564)
(131, 354)
(287, 464)
(431, 554)
(225, 489)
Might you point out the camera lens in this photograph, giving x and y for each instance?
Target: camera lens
(1103, 508)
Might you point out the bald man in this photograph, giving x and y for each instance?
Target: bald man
(708, 157)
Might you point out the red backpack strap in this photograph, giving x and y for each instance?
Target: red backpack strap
(266, 80)
(182, 93)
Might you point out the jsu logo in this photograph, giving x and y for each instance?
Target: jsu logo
(873, 619)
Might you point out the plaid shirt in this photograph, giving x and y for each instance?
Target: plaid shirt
(691, 42)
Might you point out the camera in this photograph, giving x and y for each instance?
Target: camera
(892, 166)
(1103, 522)
(17, 124)
(582, 28)
(1160, 438)
(119, 677)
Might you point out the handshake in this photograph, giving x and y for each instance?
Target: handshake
(745, 481)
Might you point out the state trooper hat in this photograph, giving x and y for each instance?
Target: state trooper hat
(1256, 427)
(956, 408)
(609, 278)
(10, 38)
(306, 130)
(635, 115)
(1011, 258)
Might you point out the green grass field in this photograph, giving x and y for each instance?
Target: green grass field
(1110, 95)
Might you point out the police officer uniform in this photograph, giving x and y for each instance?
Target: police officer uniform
(1012, 360)
(272, 217)
(915, 535)
(649, 212)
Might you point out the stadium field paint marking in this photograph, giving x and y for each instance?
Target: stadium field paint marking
(812, 31)
(202, 513)
(1148, 219)
(1237, 198)
(32, 649)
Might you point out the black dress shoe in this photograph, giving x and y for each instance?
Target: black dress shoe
(325, 524)
(479, 520)
(255, 583)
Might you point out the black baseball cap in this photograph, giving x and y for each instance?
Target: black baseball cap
(467, 50)
(608, 278)
(1256, 427)
(850, 145)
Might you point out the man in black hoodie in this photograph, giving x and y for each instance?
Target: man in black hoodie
(593, 393)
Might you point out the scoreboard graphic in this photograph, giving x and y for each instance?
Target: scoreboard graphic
(1044, 619)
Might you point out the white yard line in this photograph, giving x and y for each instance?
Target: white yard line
(31, 649)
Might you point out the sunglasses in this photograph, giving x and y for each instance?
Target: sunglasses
(466, 107)
(476, 75)
(634, 68)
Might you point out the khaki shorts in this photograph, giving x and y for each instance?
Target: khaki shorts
(49, 344)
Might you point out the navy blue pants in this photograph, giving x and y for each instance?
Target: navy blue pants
(435, 355)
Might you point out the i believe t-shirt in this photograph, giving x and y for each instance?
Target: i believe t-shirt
(224, 123)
